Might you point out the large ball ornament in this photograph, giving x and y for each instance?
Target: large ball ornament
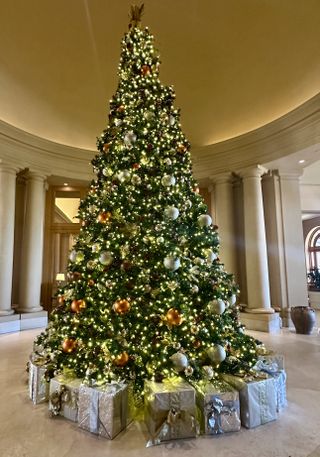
(106, 258)
(79, 256)
(106, 147)
(217, 306)
(179, 360)
(145, 70)
(168, 180)
(208, 371)
(204, 220)
(171, 212)
(122, 359)
(121, 306)
(69, 345)
(181, 148)
(173, 317)
(61, 299)
(210, 255)
(124, 175)
(104, 217)
(216, 353)
(73, 256)
(172, 263)
(233, 299)
(78, 305)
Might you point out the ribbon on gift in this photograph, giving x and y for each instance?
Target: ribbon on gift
(173, 417)
(62, 396)
(267, 366)
(214, 410)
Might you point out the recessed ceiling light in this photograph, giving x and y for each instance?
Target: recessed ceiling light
(302, 161)
(66, 184)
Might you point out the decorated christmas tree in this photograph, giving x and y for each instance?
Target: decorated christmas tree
(147, 297)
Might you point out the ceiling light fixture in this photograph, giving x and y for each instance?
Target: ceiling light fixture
(66, 184)
(302, 161)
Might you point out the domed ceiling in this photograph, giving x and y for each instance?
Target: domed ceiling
(235, 64)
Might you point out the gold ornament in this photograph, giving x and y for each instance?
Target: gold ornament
(104, 217)
(196, 344)
(121, 306)
(91, 282)
(173, 317)
(120, 109)
(106, 147)
(122, 359)
(145, 70)
(61, 299)
(78, 305)
(69, 345)
(181, 148)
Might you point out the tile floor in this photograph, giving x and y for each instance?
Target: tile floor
(28, 431)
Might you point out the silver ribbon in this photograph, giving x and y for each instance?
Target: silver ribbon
(214, 410)
(267, 366)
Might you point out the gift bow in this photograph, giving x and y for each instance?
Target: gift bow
(214, 410)
(174, 415)
(64, 396)
(267, 366)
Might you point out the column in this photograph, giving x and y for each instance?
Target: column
(32, 245)
(225, 220)
(293, 242)
(7, 214)
(258, 293)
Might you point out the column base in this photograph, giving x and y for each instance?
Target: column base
(286, 318)
(34, 320)
(34, 309)
(263, 322)
(10, 324)
(7, 312)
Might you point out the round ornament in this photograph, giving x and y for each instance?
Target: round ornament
(79, 256)
(106, 258)
(181, 148)
(173, 317)
(78, 305)
(69, 345)
(172, 263)
(73, 256)
(122, 359)
(171, 212)
(216, 353)
(91, 283)
(136, 180)
(120, 109)
(145, 70)
(106, 147)
(124, 175)
(216, 306)
(168, 180)
(194, 289)
(121, 306)
(95, 247)
(91, 264)
(136, 166)
(172, 120)
(179, 360)
(104, 217)
(61, 299)
(233, 299)
(196, 344)
(208, 371)
(204, 220)
(167, 162)
(149, 116)
(210, 255)
(129, 138)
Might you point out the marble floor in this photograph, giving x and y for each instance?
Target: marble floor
(28, 431)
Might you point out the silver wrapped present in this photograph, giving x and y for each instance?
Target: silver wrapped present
(170, 410)
(103, 410)
(271, 367)
(219, 407)
(257, 398)
(63, 397)
(38, 385)
(271, 357)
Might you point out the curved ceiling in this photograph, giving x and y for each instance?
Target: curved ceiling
(235, 64)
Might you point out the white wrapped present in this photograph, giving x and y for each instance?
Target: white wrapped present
(103, 410)
(271, 367)
(219, 407)
(63, 397)
(38, 385)
(257, 398)
(170, 410)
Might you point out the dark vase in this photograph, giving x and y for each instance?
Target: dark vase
(303, 318)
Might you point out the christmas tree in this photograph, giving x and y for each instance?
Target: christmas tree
(147, 297)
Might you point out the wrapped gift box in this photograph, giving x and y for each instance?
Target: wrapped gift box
(219, 407)
(170, 410)
(271, 357)
(271, 367)
(38, 385)
(257, 398)
(103, 410)
(63, 397)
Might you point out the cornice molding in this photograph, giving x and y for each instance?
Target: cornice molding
(293, 132)
(290, 133)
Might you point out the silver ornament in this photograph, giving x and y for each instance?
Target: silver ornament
(73, 256)
(204, 220)
(171, 212)
(106, 258)
(179, 360)
(216, 306)
(168, 180)
(172, 263)
(79, 256)
(216, 353)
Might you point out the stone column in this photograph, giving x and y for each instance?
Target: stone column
(293, 243)
(225, 220)
(7, 214)
(32, 245)
(258, 292)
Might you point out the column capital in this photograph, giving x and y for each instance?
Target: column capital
(221, 178)
(255, 171)
(36, 175)
(290, 174)
(8, 167)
